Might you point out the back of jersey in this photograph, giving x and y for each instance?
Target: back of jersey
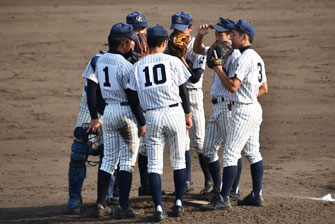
(112, 72)
(157, 78)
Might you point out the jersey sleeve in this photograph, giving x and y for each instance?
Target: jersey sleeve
(264, 79)
(125, 73)
(243, 67)
(131, 84)
(181, 71)
(88, 71)
(199, 61)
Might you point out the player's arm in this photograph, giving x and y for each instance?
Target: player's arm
(196, 73)
(183, 93)
(136, 109)
(91, 93)
(232, 84)
(198, 47)
(263, 89)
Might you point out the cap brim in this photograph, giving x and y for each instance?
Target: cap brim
(180, 27)
(138, 25)
(134, 37)
(219, 28)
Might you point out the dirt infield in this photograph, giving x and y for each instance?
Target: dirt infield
(45, 46)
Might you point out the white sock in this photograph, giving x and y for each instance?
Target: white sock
(178, 202)
(159, 208)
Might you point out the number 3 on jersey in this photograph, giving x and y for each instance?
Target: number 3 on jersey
(107, 76)
(152, 75)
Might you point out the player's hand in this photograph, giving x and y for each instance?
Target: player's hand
(142, 130)
(203, 29)
(95, 126)
(188, 119)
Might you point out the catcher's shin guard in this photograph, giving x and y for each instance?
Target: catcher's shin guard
(77, 173)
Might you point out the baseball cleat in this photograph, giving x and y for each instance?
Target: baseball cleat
(177, 211)
(128, 213)
(103, 211)
(208, 188)
(234, 196)
(216, 203)
(213, 194)
(189, 186)
(160, 216)
(251, 200)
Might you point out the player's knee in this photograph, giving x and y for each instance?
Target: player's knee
(79, 154)
(253, 158)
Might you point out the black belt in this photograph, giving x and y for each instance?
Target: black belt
(172, 105)
(124, 104)
(215, 100)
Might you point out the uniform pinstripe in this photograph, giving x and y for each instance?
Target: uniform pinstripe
(121, 137)
(196, 134)
(157, 90)
(246, 116)
(218, 122)
(84, 114)
(122, 140)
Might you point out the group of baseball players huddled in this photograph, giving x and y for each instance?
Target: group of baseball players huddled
(138, 96)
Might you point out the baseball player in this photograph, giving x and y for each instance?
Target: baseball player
(246, 117)
(159, 80)
(120, 128)
(139, 22)
(217, 124)
(182, 22)
(77, 166)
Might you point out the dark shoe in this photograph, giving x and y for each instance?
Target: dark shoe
(160, 216)
(103, 211)
(128, 213)
(73, 205)
(143, 191)
(207, 189)
(177, 211)
(234, 196)
(213, 194)
(217, 203)
(251, 200)
(189, 186)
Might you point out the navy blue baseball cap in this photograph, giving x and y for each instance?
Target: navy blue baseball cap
(137, 19)
(245, 27)
(121, 30)
(181, 21)
(157, 30)
(223, 25)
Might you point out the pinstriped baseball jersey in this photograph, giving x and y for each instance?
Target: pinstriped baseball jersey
(84, 114)
(120, 132)
(198, 61)
(112, 73)
(250, 70)
(157, 78)
(217, 88)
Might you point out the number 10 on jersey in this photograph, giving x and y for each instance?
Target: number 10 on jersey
(152, 75)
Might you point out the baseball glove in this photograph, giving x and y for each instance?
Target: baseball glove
(219, 53)
(178, 43)
(141, 46)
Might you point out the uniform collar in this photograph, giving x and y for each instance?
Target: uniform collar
(245, 48)
(113, 51)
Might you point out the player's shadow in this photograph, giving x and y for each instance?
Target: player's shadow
(59, 214)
